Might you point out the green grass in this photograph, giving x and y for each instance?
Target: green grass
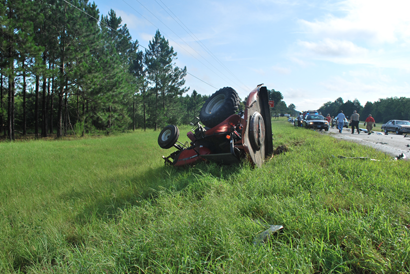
(109, 205)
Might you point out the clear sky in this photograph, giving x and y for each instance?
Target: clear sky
(311, 51)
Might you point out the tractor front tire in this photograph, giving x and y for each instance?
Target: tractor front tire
(168, 136)
(222, 104)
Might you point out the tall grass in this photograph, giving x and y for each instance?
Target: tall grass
(110, 205)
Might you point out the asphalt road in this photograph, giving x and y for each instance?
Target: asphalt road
(391, 144)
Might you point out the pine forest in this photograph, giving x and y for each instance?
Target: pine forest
(66, 69)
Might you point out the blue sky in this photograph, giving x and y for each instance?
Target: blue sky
(311, 51)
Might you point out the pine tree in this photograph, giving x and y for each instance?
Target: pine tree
(137, 70)
(129, 63)
(1, 103)
(75, 30)
(23, 66)
(16, 42)
(43, 37)
(3, 43)
(166, 79)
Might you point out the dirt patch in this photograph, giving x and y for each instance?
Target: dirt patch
(280, 149)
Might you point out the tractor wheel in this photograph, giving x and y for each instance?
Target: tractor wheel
(222, 104)
(168, 136)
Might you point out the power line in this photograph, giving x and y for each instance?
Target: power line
(82, 11)
(99, 21)
(180, 39)
(179, 22)
(201, 80)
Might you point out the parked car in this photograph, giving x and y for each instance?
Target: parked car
(345, 123)
(398, 126)
(310, 112)
(333, 123)
(316, 121)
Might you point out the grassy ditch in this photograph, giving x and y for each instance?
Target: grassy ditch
(109, 205)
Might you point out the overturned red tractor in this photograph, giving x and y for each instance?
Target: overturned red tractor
(228, 135)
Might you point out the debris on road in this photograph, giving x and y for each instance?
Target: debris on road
(392, 146)
(402, 156)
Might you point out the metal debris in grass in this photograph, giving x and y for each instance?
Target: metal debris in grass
(401, 156)
(360, 158)
(265, 235)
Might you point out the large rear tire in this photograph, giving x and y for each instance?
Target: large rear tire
(168, 136)
(222, 104)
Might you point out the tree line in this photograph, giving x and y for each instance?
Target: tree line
(280, 107)
(61, 70)
(382, 110)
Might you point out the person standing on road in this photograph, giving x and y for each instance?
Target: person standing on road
(354, 120)
(340, 121)
(333, 121)
(370, 124)
(328, 118)
(300, 119)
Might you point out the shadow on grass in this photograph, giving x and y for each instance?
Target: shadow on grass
(162, 179)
